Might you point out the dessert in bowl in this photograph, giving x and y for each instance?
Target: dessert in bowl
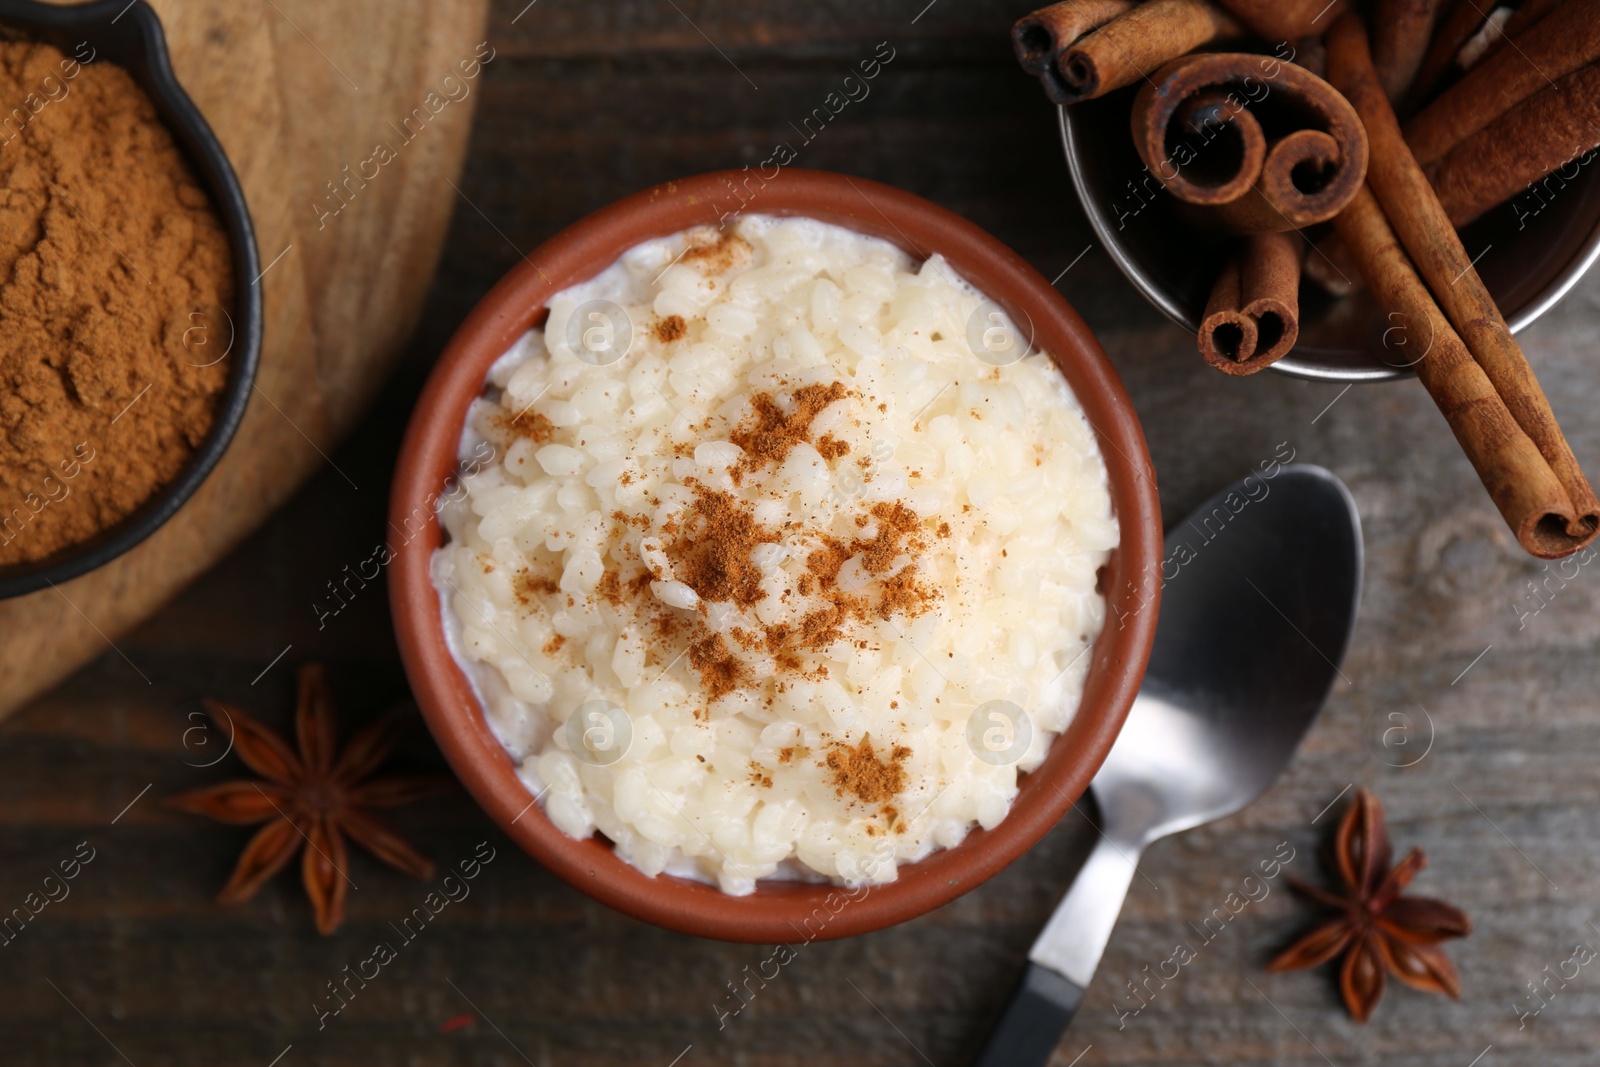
(761, 572)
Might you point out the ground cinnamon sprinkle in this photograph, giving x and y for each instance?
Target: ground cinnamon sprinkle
(528, 584)
(712, 554)
(825, 562)
(861, 772)
(532, 425)
(820, 629)
(710, 547)
(831, 447)
(720, 670)
(108, 246)
(670, 329)
(772, 434)
(609, 589)
(717, 254)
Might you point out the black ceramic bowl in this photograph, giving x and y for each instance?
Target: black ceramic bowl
(1529, 259)
(130, 35)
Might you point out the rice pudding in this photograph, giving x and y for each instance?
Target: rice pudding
(777, 556)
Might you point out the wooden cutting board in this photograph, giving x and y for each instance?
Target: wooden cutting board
(296, 90)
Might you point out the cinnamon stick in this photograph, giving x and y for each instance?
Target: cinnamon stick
(1312, 167)
(1455, 28)
(1424, 230)
(1040, 38)
(1282, 20)
(1519, 20)
(1307, 177)
(1527, 493)
(1206, 148)
(1253, 317)
(1213, 177)
(1526, 15)
(1547, 131)
(1401, 30)
(1553, 47)
(1131, 45)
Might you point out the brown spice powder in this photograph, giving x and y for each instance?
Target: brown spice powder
(528, 584)
(821, 628)
(903, 595)
(670, 329)
(717, 254)
(862, 773)
(530, 424)
(609, 588)
(771, 435)
(101, 352)
(712, 554)
(721, 672)
(825, 562)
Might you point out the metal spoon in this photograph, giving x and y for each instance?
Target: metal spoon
(1260, 592)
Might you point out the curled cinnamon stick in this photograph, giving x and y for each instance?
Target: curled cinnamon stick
(1555, 46)
(1213, 147)
(1253, 317)
(1306, 178)
(1520, 482)
(1040, 38)
(1129, 46)
(1420, 222)
(1282, 20)
(1311, 167)
(1455, 28)
(1547, 131)
(1401, 30)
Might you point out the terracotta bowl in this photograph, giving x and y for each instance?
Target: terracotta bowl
(777, 911)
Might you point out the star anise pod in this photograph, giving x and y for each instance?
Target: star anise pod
(315, 799)
(1378, 929)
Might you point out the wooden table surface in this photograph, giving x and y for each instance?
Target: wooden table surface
(1500, 782)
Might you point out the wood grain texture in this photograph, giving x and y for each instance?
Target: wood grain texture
(588, 102)
(296, 91)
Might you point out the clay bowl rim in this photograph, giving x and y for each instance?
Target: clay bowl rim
(776, 912)
(131, 36)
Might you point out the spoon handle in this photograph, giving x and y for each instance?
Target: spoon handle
(1039, 1013)
(1063, 960)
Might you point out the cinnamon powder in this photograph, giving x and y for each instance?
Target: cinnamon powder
(711, 547)
(720, 670)
(712, 555)
(768, 438)
(530, 424)
(113, 271)
(861, 772)
(670, 329)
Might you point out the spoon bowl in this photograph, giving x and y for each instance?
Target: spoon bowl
(1259, 596)
(1253, 625)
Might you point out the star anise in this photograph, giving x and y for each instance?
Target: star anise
(316, 799)
(1379, 930)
